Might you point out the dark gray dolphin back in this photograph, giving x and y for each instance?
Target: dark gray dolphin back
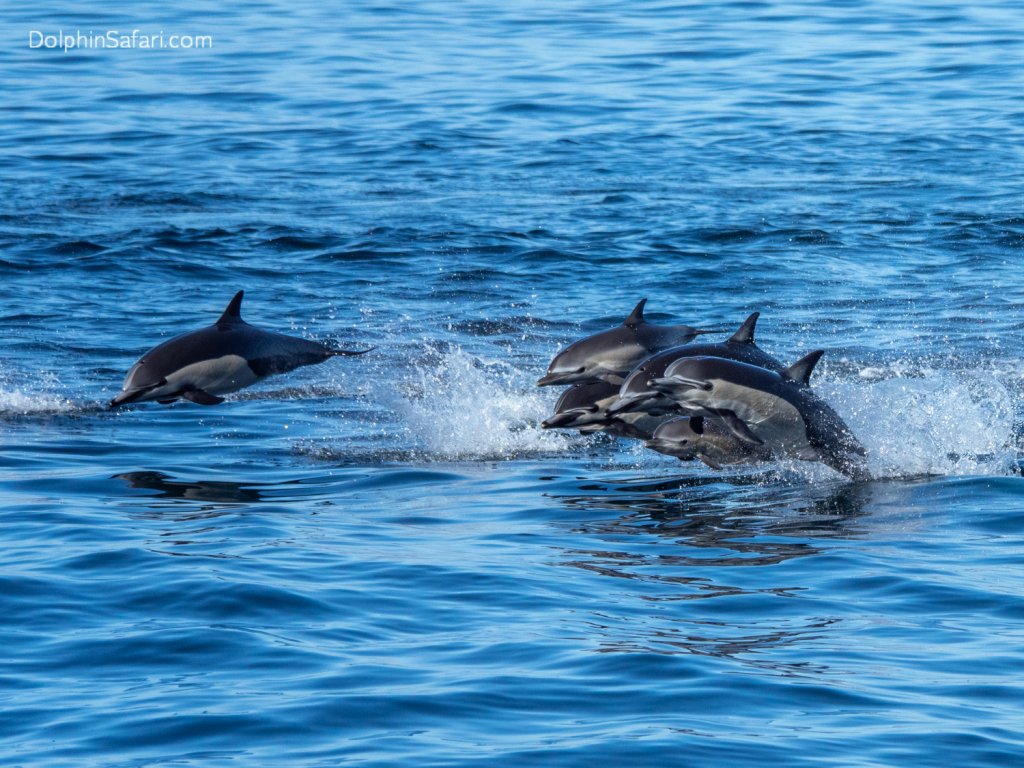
(740, 347)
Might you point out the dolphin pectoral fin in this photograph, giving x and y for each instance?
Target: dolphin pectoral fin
(201, 397)
(349, 352)
(709, 461)
(738, 428)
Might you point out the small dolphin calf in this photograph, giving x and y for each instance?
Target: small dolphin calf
(225, 357)
(585, 407)
(707, 439)
(636, 395)
(610, 355)
(765, 408)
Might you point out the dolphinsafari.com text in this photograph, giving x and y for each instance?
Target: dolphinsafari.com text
(114, 38)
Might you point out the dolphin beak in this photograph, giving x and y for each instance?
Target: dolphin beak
(121, 398)
(625, 404)
(559, 419)
(131, 395)
(564, 377)
(676, 385)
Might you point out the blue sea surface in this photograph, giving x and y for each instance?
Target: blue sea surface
(384, 560)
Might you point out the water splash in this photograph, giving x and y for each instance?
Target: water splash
(456, 405)
(21, 397)
(929, 421)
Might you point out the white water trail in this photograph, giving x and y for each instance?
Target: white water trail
(39, 395)
(929, 421)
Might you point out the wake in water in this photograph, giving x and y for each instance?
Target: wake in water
(38, 396)
(453, 405)
(930, 422)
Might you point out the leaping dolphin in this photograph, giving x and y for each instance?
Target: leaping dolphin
(707, 439)
(610, 355)
(636, 395)
(765, 408)
(225, 357)
(585, 407)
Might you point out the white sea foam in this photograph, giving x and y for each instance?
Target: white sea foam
(936, 422)
(39, 396)
(460, 406)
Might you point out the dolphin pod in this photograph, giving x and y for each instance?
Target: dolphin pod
(202, 366)
(722, 403)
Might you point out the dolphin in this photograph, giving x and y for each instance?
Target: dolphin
(610, 355)
(636, 395)
(225, 357)
(585, 407)
(766, 408)
(707, 439)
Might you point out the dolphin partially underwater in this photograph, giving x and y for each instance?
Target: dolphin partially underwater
(612, 354)
(225, 357)
(585, 407)
(777, 411)
(707, 439)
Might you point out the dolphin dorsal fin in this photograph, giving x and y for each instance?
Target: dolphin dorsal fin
(745, 335)
(800, 371)
(233, 313)
(697, 424)
(637, 315)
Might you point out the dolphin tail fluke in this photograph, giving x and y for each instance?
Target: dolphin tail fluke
(745, 334)
(348, 352)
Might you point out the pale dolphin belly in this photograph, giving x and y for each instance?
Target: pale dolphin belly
(219, 376)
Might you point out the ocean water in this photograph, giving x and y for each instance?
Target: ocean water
(383, 560)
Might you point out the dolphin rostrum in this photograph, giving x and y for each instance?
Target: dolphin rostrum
(585, 407)
(610, 355)
(766, 408)
(225, 357)
(636, 395)
(707, 439)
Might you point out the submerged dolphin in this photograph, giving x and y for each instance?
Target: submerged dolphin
(765, 408)
(707, 439)
(610, 355)
(585, 407)
(227, 356)
(636, 395)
